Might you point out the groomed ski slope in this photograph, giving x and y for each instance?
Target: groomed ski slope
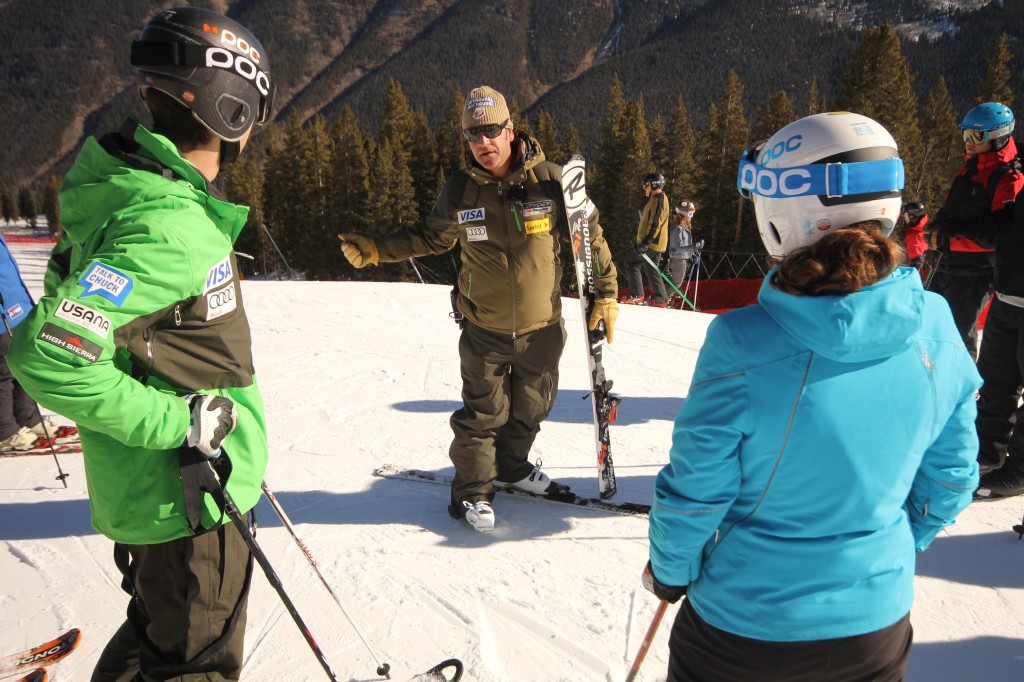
(359, 374)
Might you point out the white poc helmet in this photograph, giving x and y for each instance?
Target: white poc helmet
(820, 174)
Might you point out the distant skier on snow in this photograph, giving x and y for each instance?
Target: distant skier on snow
(828, 433)
(507, 213)
(142, 340)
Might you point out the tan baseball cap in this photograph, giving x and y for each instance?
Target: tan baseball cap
(485, 106)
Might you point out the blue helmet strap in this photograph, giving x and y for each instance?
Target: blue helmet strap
(820, 179)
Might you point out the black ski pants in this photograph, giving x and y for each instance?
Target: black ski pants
(967, 295)
(699, 652)
(508, 388)
(186, 617)
(1001, 365)
(17, 408)
(634, 264)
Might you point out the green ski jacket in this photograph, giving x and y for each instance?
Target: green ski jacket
(143, 305)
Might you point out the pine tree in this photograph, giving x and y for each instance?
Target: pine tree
(350, 183)
(547, 136)
(424, 166)
(51, 204)
(774, 114)
(635, 163)
(682, 163)
(519, 121)
(451, 145)
(815, 102)
(10, 204)
(397, 122)
(996, 87)
(879, 59)
(723, 142)
(942, 152)
(606, 174)
(282, 198)
(312, 231)
(661, 155)
(571, 143)
(390, 204)
(27, 205)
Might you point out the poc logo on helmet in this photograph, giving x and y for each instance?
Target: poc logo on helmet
(231, 40)
(771, 182)
(218, 57)
(780, 148)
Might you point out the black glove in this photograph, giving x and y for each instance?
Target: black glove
(664, 592)
(640, 248)
(211, 419)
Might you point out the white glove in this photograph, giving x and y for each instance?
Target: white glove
(211, 419)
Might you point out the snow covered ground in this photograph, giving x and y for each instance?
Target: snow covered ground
(356, 375)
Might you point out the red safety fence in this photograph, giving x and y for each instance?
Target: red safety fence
(713, 295)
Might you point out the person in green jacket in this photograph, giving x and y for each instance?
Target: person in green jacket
(507, 214)
(652, 241)
(141, 339)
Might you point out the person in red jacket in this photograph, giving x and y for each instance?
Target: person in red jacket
(979, 201)
(914, 222)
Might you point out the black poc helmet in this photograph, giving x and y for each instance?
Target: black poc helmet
(654, 181)
(914, 210)
(210, 64)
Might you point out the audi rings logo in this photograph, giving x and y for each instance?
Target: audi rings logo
(220, 302)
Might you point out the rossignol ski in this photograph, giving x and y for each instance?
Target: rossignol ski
(578, 208)
(44, 654)
(567, 497)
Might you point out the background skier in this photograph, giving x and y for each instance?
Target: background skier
(680, 243)
(914, 222)
(652, 240)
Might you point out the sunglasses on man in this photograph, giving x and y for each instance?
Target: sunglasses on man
(490, 131)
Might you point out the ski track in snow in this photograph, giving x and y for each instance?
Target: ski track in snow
(356, 375)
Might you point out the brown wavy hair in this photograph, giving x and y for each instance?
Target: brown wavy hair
(842, 262)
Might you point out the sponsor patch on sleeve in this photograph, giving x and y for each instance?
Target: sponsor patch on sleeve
(220, 302)
(83, 316)
(537, 225)
(104, 281)
(471, 214)
(476, 233)
(15, 311)
(72, 343)
(218, 274)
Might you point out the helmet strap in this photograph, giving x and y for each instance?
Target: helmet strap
(229, 152)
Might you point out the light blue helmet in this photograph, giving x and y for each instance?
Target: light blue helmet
(989, 121)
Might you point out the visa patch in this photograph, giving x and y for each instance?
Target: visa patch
(471, 214)
(218, 274)
(100, 280)
(72, 343)
(83, 316)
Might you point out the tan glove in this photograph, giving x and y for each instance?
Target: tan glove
(359, 250)
(606, 309)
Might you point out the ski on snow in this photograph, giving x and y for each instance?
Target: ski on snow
(44, 654)
(578, 208)
(65, 441)
(628, 508)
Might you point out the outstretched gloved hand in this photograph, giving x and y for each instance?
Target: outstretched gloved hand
(211, 419)
(640, 248)
(359, 250)
(606, 309)
(664, 592)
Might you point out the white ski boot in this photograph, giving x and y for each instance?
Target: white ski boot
(480, 515)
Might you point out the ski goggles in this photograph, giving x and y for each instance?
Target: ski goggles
(828, 180)
(983, 136)
(490, 131)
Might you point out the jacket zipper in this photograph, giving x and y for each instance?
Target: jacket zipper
(508, 253)
(150, 334)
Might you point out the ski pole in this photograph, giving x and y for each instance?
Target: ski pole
(646, 644)
(382, 668)
(932, 270)
(231, 509)
(61, 476)
(666, 278)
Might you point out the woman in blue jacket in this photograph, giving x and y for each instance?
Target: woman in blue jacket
(828, 433)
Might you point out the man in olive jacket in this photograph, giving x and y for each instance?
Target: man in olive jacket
(142, 340)
(507, 214)
(652, 240)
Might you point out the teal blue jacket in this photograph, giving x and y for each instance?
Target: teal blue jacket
(824, 439)
(142, 306)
